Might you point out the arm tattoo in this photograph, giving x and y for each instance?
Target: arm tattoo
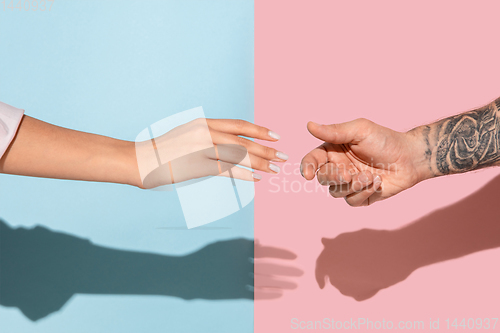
(467, 141)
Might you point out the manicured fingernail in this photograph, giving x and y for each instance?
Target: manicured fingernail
(377, 181)
(256, 176)
(274, 168)
(282, 156)
(363, 178)
(274, 135)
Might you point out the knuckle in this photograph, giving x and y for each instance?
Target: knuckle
(356, 187)
(334, 192)
(333, 177)
(199, 120)
(334, 127)
(241, 141)
(258, 164)
(240, 150)
(240, 124)
(200, 129)
(269, 152)
(262, 164)
(332, 180)
(363, 122)
(336, 195)
(210, 131)
(350, 202)
(199, 123)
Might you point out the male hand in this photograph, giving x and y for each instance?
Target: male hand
(364, 162)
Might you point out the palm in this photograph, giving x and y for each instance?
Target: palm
(382, 153)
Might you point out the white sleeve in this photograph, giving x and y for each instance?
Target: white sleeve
(10, 117)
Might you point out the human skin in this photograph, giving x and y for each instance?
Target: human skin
(364, 162)
(44, 150)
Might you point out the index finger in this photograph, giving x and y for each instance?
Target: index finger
(273, 252)
(242, 127)
(312, 161)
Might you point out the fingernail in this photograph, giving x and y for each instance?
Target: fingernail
(312, 122)
(363, 178)
(256, 176)
(274, 168)
(282, 156)
(377, 181)
(274, 135)
(301, 170)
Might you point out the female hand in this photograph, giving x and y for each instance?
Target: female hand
(207, 147)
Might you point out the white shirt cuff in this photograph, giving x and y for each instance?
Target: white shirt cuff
(10, 117)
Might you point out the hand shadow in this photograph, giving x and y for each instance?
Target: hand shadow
(40, 270)
(361, 263)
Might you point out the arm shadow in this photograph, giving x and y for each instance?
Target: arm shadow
(361, 263)
(40, 270)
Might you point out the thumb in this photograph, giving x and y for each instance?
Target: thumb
(337, 133)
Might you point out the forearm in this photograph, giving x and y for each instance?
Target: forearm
(462, 143)
(40, 149)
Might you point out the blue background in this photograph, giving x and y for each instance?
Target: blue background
(113, 68)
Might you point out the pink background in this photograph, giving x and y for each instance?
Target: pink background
(400, 64)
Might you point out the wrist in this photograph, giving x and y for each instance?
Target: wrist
(120, 164)
(420, 153)
(130, 160)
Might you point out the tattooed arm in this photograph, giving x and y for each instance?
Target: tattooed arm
(363, 162)
(465, 142)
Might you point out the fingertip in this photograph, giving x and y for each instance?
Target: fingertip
(282, 156)
(305, 171)
(312, 125)
(310, 173)
(274, 136)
